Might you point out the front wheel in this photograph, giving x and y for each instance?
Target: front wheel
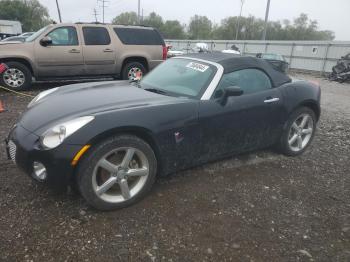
(299, 132)
(17, 77)
(117, 172)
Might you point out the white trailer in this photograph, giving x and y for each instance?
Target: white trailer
(9, 28)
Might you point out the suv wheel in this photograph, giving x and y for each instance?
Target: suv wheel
(133, 71)
(117, 172)
(17, 77)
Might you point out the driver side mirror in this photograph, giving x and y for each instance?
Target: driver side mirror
(228, 92)
(45, 41)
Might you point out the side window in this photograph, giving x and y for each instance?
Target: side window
(250, 80)
(64, 36)
(137, 36)
(96, 36)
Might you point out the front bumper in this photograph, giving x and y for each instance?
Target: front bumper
(23, 149)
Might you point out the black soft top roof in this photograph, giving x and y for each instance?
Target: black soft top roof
(232, 62)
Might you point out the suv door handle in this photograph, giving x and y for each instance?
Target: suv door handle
(271, 100)
(108, 50)
(74, 51)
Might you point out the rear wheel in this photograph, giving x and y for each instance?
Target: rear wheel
(299, 132)
(117, 173)
(133, 71)
(17, 77)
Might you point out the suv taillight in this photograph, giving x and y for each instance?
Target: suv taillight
(165, 52)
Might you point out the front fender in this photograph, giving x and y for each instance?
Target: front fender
(155, 124)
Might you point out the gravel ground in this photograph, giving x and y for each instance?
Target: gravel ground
(256, 207)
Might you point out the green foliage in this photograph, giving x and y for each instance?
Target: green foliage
(154, 20)
(127, 18)
(200, 27)
(30, 13)
(172, 29)
(169, 29)
(250, 28)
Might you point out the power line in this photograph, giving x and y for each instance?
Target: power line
(266, 19)
(103, 8)
(59, 11)
(239, 19)
(95, 14)
(139, 11)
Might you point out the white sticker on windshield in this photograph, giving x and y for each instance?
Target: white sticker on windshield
(197, 67)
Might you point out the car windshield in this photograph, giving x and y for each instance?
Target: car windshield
(180, 77)
(36, 34)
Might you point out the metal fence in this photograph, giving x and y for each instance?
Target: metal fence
(318, 56)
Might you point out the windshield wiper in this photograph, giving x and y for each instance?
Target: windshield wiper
(157, 91)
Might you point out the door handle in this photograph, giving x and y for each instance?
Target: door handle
(271, 100)
(108, 50)
(74, 51)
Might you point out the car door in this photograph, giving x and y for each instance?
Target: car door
(250, 121)
(63, 57)
(99, 51)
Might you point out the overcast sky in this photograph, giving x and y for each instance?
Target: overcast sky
(331, 15)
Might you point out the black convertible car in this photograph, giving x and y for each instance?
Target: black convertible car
(110, 140)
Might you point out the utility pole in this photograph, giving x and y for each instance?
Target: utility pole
(95, 14)
(139, 11)
(239, 18)
(142, 16)
(59, 12)
(103, 9)
(266, 19)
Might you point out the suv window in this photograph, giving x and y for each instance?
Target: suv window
(96, 36)
(64, 36)
(135, 36)
(250, 80)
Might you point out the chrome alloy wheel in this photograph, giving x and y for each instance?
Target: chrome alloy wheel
(135, 73)
(13, 77)
(300, 132)
(120, 174)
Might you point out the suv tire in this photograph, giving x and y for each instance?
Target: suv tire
(17, 77)
(131, 69)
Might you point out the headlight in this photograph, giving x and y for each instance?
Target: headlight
(57, 134)
(41, 96)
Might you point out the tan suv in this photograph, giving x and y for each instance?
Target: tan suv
(74, 51)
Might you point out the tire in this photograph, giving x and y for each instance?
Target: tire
(92, 177)
(306, 133)
(21, 72)
(130, 66)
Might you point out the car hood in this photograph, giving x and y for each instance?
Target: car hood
(88, 99)
(10, 42)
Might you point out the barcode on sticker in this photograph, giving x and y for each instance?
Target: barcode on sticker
(198, 67)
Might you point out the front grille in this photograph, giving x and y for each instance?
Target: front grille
(12, 151)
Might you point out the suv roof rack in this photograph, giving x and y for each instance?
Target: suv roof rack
(91, 23)
(99, 23)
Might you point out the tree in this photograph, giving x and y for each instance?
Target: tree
(154, 20)
(200, 27)
(127, 18)
(251, 29)
(30, 13)
(172, 29)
